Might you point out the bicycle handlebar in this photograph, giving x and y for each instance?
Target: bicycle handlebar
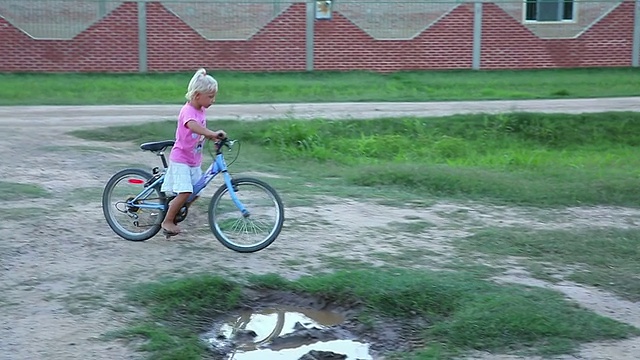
(224, 142)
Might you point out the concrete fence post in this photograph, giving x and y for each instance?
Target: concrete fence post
(635, 53)
(142, 36)
(102, 8)
(310, 31)
(477, 35)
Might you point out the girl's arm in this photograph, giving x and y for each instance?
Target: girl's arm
(201, 130)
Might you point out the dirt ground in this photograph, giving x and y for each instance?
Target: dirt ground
(62, 270)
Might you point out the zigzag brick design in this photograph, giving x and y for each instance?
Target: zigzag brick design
(111, 45)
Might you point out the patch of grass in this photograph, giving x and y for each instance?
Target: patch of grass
(163, 343)
(61, 89)
(555, 186)
(465, 312)
(85, 194)
(521, 158)
(340, 263)
(515, 319)
(298, 199)
(412, 227)
(178, 310)
(199, 296)
(20, 191)
(608, 257)
(468, 266)
(543, 272)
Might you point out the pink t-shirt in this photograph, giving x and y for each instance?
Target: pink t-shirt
(188, 146)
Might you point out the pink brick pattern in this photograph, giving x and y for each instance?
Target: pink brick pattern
(111, 45)
(447, 44)
(175, 46)
(108, 45)
(508, 44)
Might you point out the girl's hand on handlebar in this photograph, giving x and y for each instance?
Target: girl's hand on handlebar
(217, 135)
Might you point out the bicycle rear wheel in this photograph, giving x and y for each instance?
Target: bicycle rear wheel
(250, 233)
(128, 221)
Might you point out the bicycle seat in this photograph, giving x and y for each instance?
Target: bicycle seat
(157, 145)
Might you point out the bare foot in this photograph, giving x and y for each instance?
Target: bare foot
(170, 229)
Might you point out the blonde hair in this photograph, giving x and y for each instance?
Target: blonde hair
(201, 83)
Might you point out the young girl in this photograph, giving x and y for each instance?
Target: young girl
(186, 155)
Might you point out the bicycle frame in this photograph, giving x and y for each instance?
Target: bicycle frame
(217, 166)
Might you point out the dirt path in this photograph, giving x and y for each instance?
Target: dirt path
(63, 270)
(110, 115)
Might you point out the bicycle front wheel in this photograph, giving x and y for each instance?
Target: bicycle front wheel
(252, 232)
(128, 220)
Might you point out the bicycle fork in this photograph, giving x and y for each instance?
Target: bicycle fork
(219, 166)
(232, 192)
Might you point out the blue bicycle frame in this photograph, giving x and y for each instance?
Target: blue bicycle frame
(216, 167)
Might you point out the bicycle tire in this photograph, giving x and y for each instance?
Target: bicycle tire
(273, 234)
(244, 320)
(107, 208)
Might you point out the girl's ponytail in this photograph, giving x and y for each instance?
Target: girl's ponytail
(201, 83)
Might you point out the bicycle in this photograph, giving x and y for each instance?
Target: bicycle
(133, 192)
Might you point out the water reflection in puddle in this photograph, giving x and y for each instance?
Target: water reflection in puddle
(352, 349)
(261, 335)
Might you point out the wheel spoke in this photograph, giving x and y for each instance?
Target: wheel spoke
(123, 216)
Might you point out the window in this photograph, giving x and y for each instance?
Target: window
(549, 10)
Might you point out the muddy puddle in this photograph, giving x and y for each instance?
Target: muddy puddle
(286, 333)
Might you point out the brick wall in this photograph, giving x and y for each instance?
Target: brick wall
(448, 44)
(111, 45)
(508, 44)
(174, 46)
(108, 45)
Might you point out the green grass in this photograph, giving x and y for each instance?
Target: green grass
(195, 297)
(519, 158)
(83, 194)
(606, 258)
(463, 312)
(178, 311)
(19, 191)
(84, 89)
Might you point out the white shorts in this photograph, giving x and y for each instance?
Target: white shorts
(180, 178)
